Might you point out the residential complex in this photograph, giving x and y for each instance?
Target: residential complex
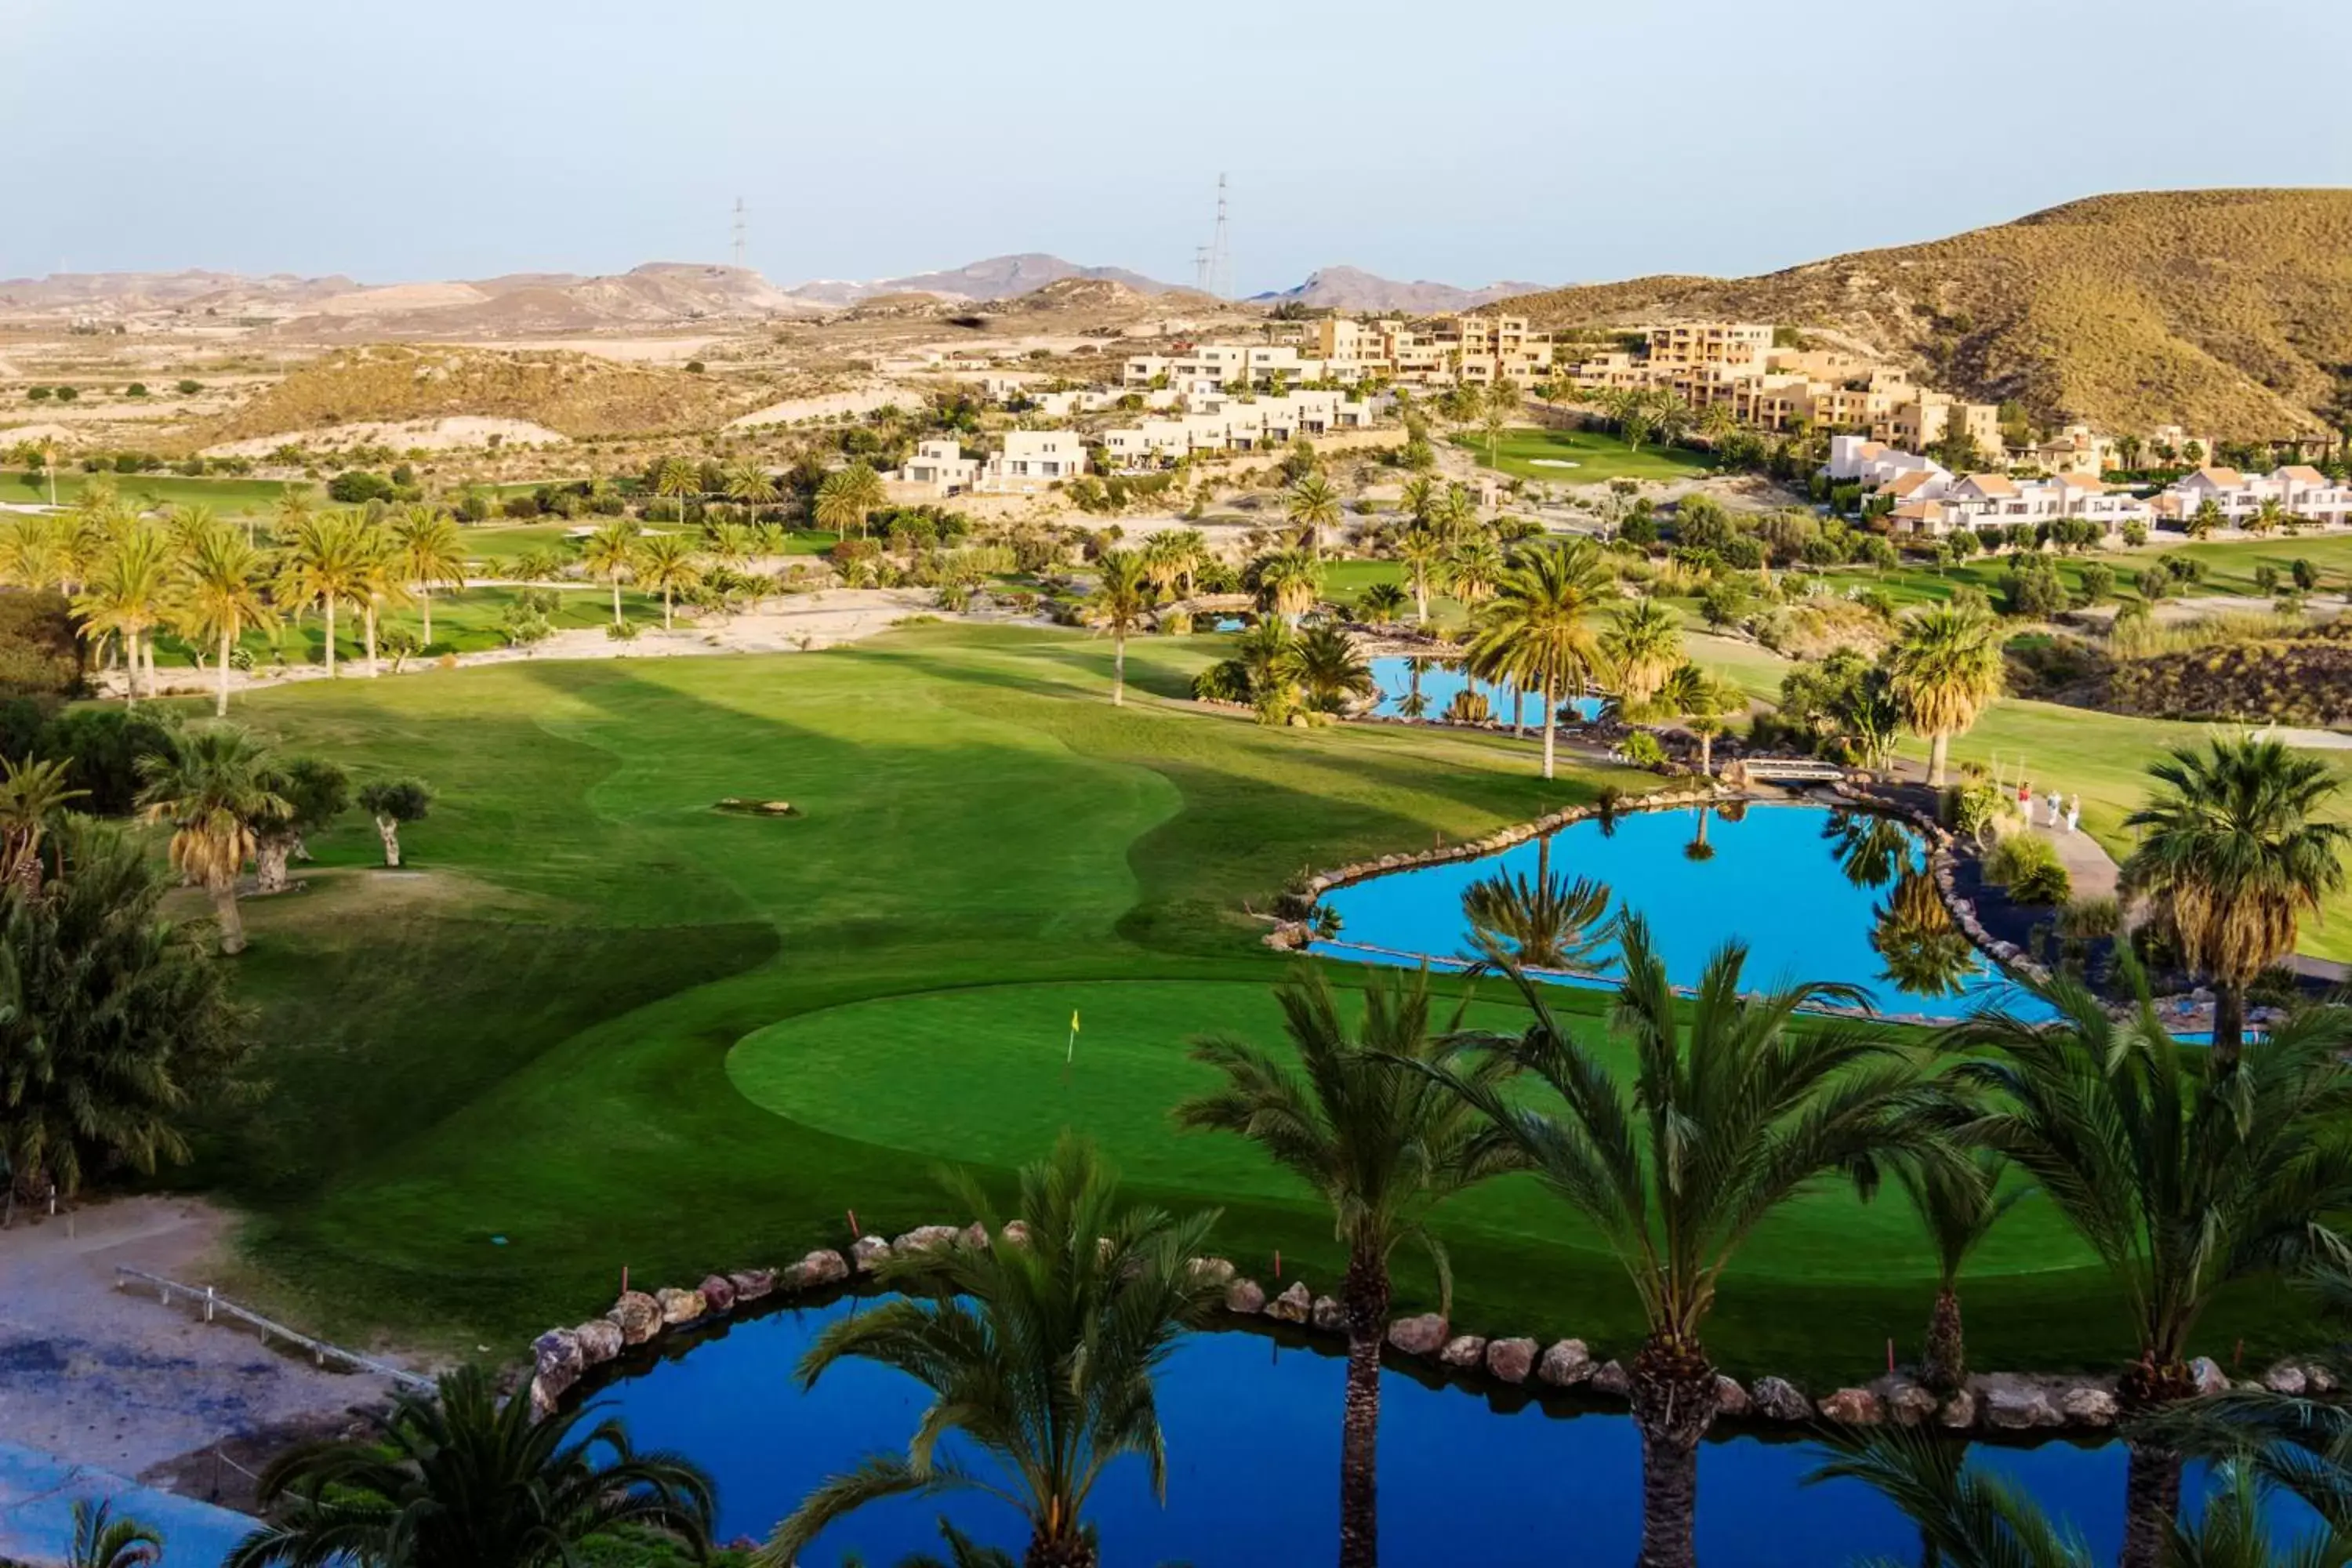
(1216, 424)
(1032, 462)
(1929, 501)
(2296, 491)
(1472, 348)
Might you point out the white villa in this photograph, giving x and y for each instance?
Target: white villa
(2298, 490)
(1930, 502)
(1032, 462)
(1221, 423)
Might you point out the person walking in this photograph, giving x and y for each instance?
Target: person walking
(2074, 814)
(2057, 805)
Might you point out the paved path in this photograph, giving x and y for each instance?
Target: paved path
(2090, 871)
(37, 1492)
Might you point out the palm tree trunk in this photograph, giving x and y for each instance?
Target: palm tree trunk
(2151, 1502)
(367, 625)
(1943, 1361)
(1365, 1303)
(1938, 746)
(1707, 753)
(1674, 1403)
(1119, 672)
(1552, 725)
(425, 602)
(667, 612)
(331, 639)
(616, 601)
(131, 669)
(2229, 1022)
(269, 853)
(232, 924)
(1059, 1551)
(1419, 596)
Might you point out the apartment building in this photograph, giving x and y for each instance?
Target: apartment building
(2076, 449)
(1217, 424)
(1488, 348)
(1032, 461)
(1929, 501)
(2299, 490)
(1735, 345)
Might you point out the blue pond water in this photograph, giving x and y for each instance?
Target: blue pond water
(1253, 1440)
(1780, 878)
(1438, 684)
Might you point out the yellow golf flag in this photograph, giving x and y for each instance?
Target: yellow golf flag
(1070, 1051)
(1074, 1020)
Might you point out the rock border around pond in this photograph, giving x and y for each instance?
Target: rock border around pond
(2017, 1405)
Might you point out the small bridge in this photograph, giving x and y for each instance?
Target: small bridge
(1784, 770)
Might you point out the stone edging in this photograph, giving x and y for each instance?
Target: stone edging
(2054, 1405)
(1940, 861)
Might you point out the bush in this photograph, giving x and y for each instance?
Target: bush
(2042, 885)
(189, 388)
(356, 487)
(67, 394)
(40, 653)
(1642, 749)
(39, 393)
(2029, 868)
(102, 747)
(136, 389)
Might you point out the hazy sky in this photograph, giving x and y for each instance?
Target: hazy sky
(1459, 140)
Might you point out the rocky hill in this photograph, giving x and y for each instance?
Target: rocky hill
(2228, 311)
(997, 277)
(1353, 289)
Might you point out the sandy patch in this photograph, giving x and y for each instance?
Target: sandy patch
(114, 1378)
(828, 406)
(12, 434)
(457, 432)
(400, 297)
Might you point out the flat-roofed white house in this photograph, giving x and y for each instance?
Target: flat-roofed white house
(1033, 461)
(936, 470)
(2294, 490)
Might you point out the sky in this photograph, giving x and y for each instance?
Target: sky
(1466, 140)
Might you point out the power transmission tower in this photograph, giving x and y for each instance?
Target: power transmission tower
(1220, 254)
(1200, 268)
(738, 231)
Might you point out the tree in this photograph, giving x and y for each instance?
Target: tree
(1944, 669)
(102, 1538)
(220, 594)
(847, 496)
(1420, 548)
(380, 583)
(1119, 604)
(1289, 583)
(314, 793)
(1957, 1207)
(1550, 922)
(664, 563)
(1536, 633)
(1702, 700)
(611, 554)
(111, 1021)
(392, 802)
(1331, 672)
(1473, 569)
(2207, 517)
(1381, 1144)
(2181, 1173)
(748, 486)
(324, 562)
(1381, 604)
(1643, 645)
(1312, 505)
(1039, 1348)
(128, 594)
(2234, 847)
(677, 478)
(458, 1480)
(426, 553)
(1732, 1111)
(211, 784)
(32, 793)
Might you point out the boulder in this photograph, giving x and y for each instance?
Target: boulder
(1907, 1403)
(638, 1315)
(1730, 1399)
(2284, 1378)
(2209, 1376)
(599, 1339)
(1245, 1296)
(1421, 1335)
(1565, 1365)
(974, 1237)
(2087, 1404)
(1777, 1399)
(682, 1306)
(544, 1399)
(1959, 1412)
(1853, 1408)
(820, 1268)
(2317, 1379)
(1016, 1233)
(1328, 1316)
(867, 1253)
(718, 1292)
(1293, 1305)
(1464, 1352)
(1510, 1360)
(2016, 1406)
(1610, 1379)
(752, 1284)
(926, 1238)
(1212, 1271)
(556, 1360)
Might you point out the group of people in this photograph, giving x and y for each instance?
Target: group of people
(2064, 813)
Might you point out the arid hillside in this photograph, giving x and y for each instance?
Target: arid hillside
(2230, 311)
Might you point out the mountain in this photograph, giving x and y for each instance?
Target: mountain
(997, 277)
(2229, 312)
(1353, 289)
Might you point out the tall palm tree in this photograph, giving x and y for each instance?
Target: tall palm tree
(2234, 849)
(323, 561)
(1119, 604)
(1701, 701)
(103, 1539)
(1289, 583)
(1312, 506)
(1381, 1144)
(1730, 1111)
(426, 552)
(36, 551)
(1548, 923)
(128, 594)
(1957, 1205)
(1946, 667)
(1455, 513)
(1421, 549)
(32, 793)
(458, 1479)
(1537, 631)
(220, 594)
(1268, 655)
(847, 496)
(1473, 571)
(1644, 645)
(1040, 1348)
(678, 478)
(2181, 1173)
(1331, 671)
(750, 486)
(664, 563)
(211, 784)
(611, 552)
(382, 584)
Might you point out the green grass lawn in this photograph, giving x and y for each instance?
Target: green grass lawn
(230, 498)
(2229, 567)
(614, 1028)
(1531, 454)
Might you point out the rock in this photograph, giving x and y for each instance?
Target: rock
(556, 1358)
(682, 1306)
(1293, 1305)
(1421, 1335)
(1959, 1412)
(599, 1339)
(2087, 1404)
(1565, 1365)
(2318, 1379)
(1245, 1296)
(752, 1284)
(1212, 1271)
(2015, 1406)
(1328, 1316)
(820, 1267)
(1777, 1399)
(638, 1315)
(1510, 1360)
(1609, 1378)
(974, 1237)
(2209, 1376)
(926, 1238)
(1730, 1399)
(1907, 1403)
(544, 1399)
(1853, 1408)
(1016, 1232)
(718, 1292)
(2284, 1378)
(1464, 1351)
(867, 1253)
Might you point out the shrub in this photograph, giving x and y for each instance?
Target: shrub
(2029, 868)
(39, 393)
(136, 389)
(187, 388)
(67, 394)
(2047, 884)
(694, 367)
(356, 487)
(1642, 749)
(2089, 919)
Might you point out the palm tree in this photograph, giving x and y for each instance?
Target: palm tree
(1958, 1205)
(426, 553)
(1536, 633)
(1312, 505)
(220, 577)
(2181, 1171)
(32, 793)
(1473, 569)
(1289, 583)
(211, 785)
(1381, 1146)
(1331, 670)
(1455, 514)
(677, 478)
(1418, 498)
(2234, 849)
(1643, 645)
(1268, 655)
(1040, 1348)
(103, 1540)
(847, 496)
(664, 563)
(748, 486)
(380, 583)
(1733, 1110)
(323, 560)
(1382, 603)
(1701, 701)
(1946, 667)
(1548, 923)
(1120, 605)
(611, 552)
(1420, 548)
(128, 594)
(457, 1478)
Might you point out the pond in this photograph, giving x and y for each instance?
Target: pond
(1816, 892)
(1253, 1430)
(1426, 687)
